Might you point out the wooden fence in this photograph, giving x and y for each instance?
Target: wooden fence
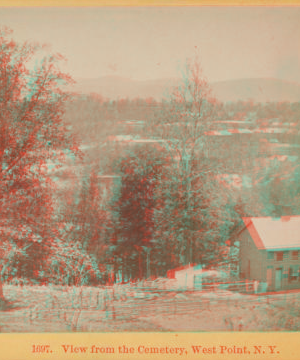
(243, 286)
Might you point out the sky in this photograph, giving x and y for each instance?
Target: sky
(150, 43)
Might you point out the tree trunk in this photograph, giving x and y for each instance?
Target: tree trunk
(1, 291)
(187, 251)
(148, 263)
(140, 266)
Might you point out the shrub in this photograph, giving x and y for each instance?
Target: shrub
(70, 264)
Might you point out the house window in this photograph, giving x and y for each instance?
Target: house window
(279, 255)
(293, 273)
(295, 255)
(285, 274)
(270, 255)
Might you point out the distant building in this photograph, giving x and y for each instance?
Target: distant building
(270, 251)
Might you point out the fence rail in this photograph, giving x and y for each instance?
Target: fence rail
(246, 286)
(243, 286)
(127, 303)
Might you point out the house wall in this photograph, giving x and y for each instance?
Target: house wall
(285, 264)
(264, 269)
(250, 254)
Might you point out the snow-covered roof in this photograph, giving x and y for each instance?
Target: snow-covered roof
(249, 131)
(274, 233)
(131, 139)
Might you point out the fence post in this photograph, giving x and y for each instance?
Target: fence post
(246, 285)
(113, 305)
(194, 276)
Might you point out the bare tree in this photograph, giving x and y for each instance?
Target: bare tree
(192, 202)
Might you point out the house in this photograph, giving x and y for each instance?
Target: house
(192, 276)
(270, 251)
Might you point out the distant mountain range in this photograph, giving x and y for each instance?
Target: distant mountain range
(260, 90)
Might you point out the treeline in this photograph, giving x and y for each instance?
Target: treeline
(163, 207)
(167, 205)
(77, 208)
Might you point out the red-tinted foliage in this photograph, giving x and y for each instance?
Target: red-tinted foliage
(33, 139)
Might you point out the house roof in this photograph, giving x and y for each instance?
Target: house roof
(274, 233)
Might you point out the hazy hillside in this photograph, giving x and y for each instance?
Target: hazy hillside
(261, 90)
(118, 87)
